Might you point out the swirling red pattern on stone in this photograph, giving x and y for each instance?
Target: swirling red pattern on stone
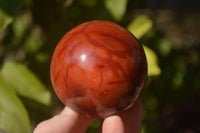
(93, 64)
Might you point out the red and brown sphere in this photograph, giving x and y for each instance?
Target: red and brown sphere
(98, 69)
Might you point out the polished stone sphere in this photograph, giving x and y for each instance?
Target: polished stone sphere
(98, 69)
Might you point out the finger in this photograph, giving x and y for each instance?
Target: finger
(128, 121)
(132, 118)
(66, 122)
(113, 124)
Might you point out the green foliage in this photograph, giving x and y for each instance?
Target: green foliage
(13, 115)
(11, 6)
(24, 82)
(16, 79)
(117, 8)
(153, 68)
(32, 42)
(95, 126)
(7, 9)
(140, 26)
(20, 25)
(4, 21)
(29, 32)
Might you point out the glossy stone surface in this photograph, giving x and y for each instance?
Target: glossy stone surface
(98, 68)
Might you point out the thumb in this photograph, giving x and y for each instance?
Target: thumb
(67, 121)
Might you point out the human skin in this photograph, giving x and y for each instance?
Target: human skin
(68, 121)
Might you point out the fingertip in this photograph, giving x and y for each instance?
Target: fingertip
(41, 127)
(113, 124)
(67, 121)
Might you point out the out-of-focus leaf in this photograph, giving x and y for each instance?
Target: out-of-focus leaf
(25, 83)
(153, 68)
(164, 46)
(94, 126)
(117, 8)
(139, 26)
(89, 3)
(11, 6)
(20, 25)
(7, 9)
(13, 115)
(143, 129)
(3, 131)
(33, 42)
(41, 57)
(5, 20)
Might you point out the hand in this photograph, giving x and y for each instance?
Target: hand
(128, 121)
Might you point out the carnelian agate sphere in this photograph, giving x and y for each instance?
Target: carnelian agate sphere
(98, 68)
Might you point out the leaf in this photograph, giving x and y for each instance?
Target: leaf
(11, 6)
(5, 20)
(164, 46)
(20, 25)
(89, 3)
(7, 9)
(117, 8)
(94, 126)
(153, 68)
(25, 83)
(33, 41)
(140, 26)
(13, 115)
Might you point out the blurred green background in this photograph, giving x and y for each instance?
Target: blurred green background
(169, 31)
